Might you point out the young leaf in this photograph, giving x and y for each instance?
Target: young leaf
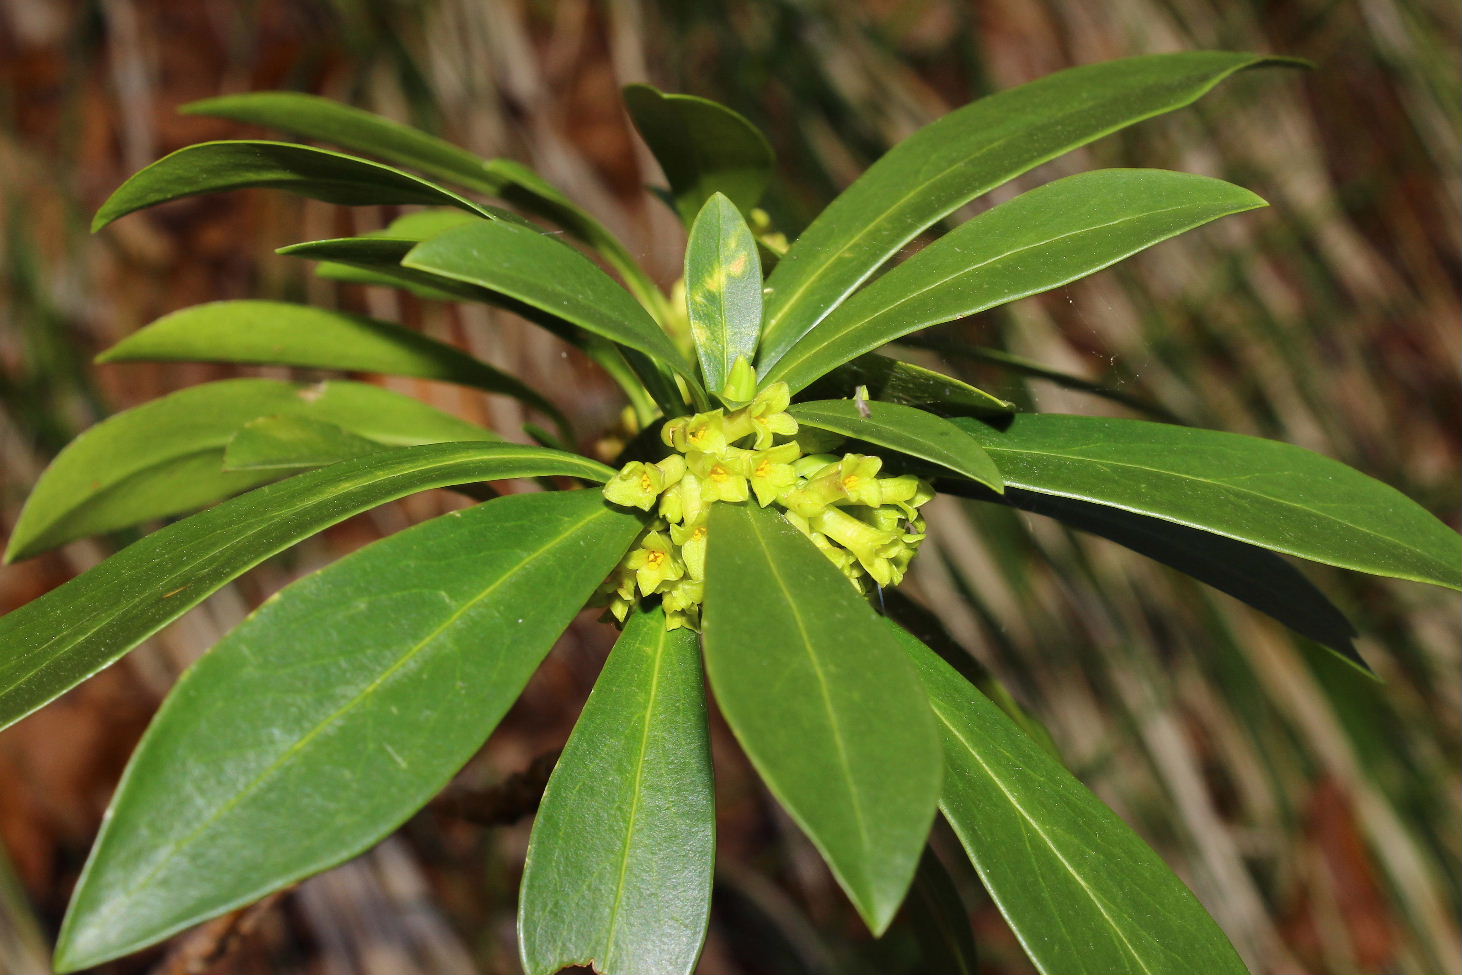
(113, 607)
(823, 702)
(906, 430)
(895, 381)
(1263, 492)
(542, 272)
(722, 290)
(166, 456)
(319, 118)
(703, 147)
(1081, 891)
(319, 174)
(967, 153)
(1040, 240)
(619, 866)
(334, 712)
(282, 333)
(293, 441)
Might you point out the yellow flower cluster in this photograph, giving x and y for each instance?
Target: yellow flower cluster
(867, 525)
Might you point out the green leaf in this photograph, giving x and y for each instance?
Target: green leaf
(722, 290)
(542, 272)
(1263, 492)
(377, 260)
(940, 920)
(823, 702)
(906, 430)
(1251, 574)
(130, 596)
(704, 148)
(335, 712)
(1035, 370)
(319, 118)
(1040, 240)
(1081, 891)
(293, 441)
(281, 333)
(967, 153)
(319, 174)
(895, 381)
(166, 456)
(619, 866)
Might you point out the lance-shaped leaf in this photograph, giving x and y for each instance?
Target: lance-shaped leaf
(904, 429)
(1106, 389)
(619, 866)
(551, 276)
(1263, 492)
(111, 608)
(823, 701)
(722, 290)
(281, 333)
(166, 456)
(334, 713)
(895, 381)
(1081, 891)
(319, 174)
(319, 118)
(294, 442)
(966, 153)
(377, 260)
(1251, 574)
(1040, 240)
(704, 148)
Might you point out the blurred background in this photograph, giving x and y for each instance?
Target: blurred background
(1313, 811)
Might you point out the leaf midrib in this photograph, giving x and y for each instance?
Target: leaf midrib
(257, 782)
(970, 159)
(824, 694)
(634, 811)
(1016, 480)
(1050, 844)
(846, 330)
(264, 519)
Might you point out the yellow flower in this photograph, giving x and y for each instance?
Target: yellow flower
(772, 472)
(637, 485)
(654, 563)
(719, 477)
(692, 542)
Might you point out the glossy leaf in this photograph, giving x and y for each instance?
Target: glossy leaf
(619, 866)
(1080, 890)
(377, 260)
(282, 333)
(335, 712)
(966, 153)
(1271, 494)
(704, 148)
(319, 118)
(542, 272)
(895, 381)
(1036, 370)
(822, 700)
(293, 441)
(722, 290)
(904, 429)
(1251, 574)
(111, 608)
(351, 128)
(165, 457)
(1040, 240)
(211, 167)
